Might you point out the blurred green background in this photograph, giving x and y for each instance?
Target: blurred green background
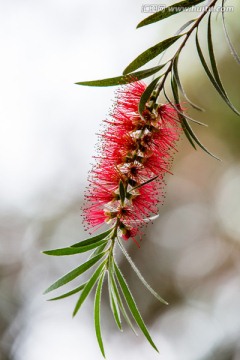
(190, 255)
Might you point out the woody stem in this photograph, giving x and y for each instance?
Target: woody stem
(188, 33)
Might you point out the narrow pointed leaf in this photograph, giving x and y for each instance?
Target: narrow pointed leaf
(176, 74)
(146, 94)
(212, 79)
(114, 304)
(93, 239)
(150, 54)
(150, 219)
(88, 287)
(231, 47)
(97, 314)
(146, 182)
(194, 137)
(74, 250)
(158, 297)
(123, 79)
(98, 250)
(182, 118)
(119, 300)
(70, 293)
(132, 306)
(74, 273)
(212, 56)
(214, 65)
(122, 192)
(184, 127)
(177, 101)
(185, 26)
(168, 11)
(122, 308)
(189, 132)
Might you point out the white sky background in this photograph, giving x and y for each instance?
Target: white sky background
(48, 124)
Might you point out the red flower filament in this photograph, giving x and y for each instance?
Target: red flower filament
(135, 153)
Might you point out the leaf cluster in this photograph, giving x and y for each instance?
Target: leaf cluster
(102, 259)
(169, 70)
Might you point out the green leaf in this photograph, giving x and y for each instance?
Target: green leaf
(213, 60)
(215, 82)
(185, 26)
(74, 250)
(112, 295)
(146, 182)
(120, 303)
(123, 79)
(188, 130)
(150, 54)
(98, 250)
(214, 66)
(177, 101)
(122, 192)
(168, 11)
(97, 314)
(88, 287)
(93, 239)
(118, 296)
(181, 117)
(231, 47)
(194, 137)
(114, 304)
(158, 297)
(74, 273)
(211, 54)
(74, 291)
(176, 74)
(146, 95)
(132, 306)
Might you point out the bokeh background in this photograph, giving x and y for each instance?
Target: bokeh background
(48, 130)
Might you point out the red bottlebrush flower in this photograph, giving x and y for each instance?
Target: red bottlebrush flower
(145, 199)
(129, 96)
(135, 152)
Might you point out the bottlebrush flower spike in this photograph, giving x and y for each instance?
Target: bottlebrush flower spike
(136, 151)
(126, 185)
